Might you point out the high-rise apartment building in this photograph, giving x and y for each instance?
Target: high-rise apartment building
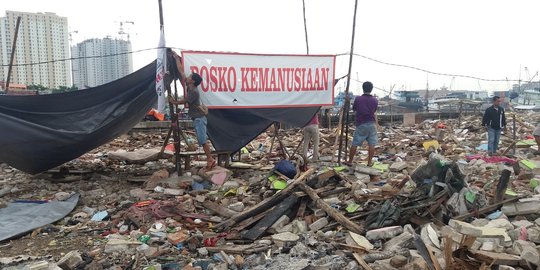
(42, 38)
(113, 61)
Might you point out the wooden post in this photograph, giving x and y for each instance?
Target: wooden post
(281, 145)
(502, 185)
(460, 111)
(332, 212)
(345, 124)
(13, 48)
(514, 127)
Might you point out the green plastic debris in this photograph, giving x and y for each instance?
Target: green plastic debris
(351, 208)
(340, 168)
(144, 238)
(534, 183)
(230, 192)
(273, 178)
(529, 164)
(526, 142)
(245, 151)
(381, 167)
(510, 192)
(279, 184)
(470, 196)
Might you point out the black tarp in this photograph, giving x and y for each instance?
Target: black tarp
(232, 129)
(38, 133)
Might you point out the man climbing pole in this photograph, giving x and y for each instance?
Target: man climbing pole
(197, 110)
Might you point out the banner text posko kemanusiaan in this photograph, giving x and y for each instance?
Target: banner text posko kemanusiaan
(261, 81)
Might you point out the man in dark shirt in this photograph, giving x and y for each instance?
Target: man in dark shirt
(193, 100)
(494, 120)
(366, 123)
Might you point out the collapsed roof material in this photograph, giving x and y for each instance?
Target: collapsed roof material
(41, 132)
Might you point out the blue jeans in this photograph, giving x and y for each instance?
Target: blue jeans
(494, 135)
(365, 132)
(200, 128)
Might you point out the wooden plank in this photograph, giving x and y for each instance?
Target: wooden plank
(278, 211)
(495, 258)
(448, 258)
(502, 185)
(302, 209)
(266, 203)
(219, 209)
(362, 262)
(433, 258)
(467, 241)
(357, 249)
(332, 212)
(486, 209)
(250, 221)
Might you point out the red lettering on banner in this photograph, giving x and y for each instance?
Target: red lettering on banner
(281, 78)
(222, 87)
(232, 87)
(253, 79)
(309, 83)
(263, 79)
(316, 84)
(289, 80)
(213, 79)
(297, 79)
(257, 79)
(303, 79)
(245, 84)
(204, 75)
(273, 86)
(324, 82)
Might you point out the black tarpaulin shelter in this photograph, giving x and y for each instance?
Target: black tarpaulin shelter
(38, 133)
(231, 129)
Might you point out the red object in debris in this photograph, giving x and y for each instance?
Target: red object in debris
(170, 147)
(529, 137)
(145, 203)
(441, 125)
(159, 116)
(212, 241)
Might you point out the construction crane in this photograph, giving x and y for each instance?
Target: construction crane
(121, 29)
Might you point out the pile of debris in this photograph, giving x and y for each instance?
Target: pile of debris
(431, 201)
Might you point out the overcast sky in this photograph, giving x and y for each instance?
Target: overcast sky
(489, 39)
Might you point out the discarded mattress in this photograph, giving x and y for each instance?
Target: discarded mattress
(41, 132)
(21, 217)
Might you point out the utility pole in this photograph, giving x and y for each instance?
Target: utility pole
(305, 25)
(13, 48)
(345, 122)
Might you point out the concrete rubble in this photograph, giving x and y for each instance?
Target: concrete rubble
(433, 200)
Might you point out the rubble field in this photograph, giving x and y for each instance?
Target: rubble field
(432, 200)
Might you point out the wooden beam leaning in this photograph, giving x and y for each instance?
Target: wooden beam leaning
(266, 203)
(332, 212)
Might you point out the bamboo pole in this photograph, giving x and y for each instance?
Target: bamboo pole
(13, 49)
(345, 123)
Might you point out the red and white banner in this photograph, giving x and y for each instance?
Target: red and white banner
(233, 80)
